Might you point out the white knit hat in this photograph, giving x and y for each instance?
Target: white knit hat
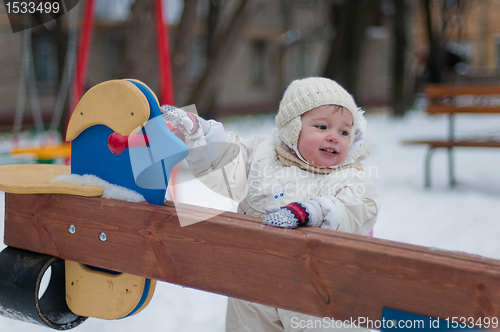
(302, 96)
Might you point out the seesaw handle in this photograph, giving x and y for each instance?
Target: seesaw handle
(117, 142)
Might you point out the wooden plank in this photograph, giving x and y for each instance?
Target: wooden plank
(450, 108)
(38, 178)
(440, 90)
(484, 99)
(462, 143)
(311, 270)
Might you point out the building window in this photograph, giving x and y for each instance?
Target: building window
(304, 3)
(45, 58)
(497, 39)
(304, 65)
(197, 60)
(115, 48)
(257, 67)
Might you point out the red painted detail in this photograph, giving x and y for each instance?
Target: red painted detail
(117, 142)
(164, 61)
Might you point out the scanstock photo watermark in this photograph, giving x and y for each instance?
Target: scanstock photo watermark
(26, 14)
(422, 324)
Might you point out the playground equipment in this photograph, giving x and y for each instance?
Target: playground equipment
(76, 67)
(124, 108)
(91, 241)
(48, 151)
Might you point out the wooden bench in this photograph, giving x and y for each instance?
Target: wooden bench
(451, 100)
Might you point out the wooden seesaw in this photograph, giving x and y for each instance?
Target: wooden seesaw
(118, 134)
(318, 272)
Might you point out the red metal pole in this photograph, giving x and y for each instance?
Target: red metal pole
(163, 50)
(164, 63)
(83, 53)
(165, 68)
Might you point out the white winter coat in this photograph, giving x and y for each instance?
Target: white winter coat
(256, 179)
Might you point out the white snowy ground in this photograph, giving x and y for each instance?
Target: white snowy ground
(465, 218)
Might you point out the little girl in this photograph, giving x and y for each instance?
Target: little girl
(310, 175)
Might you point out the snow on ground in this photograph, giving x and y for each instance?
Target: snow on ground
(465, 218)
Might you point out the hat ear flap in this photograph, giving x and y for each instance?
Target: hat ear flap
(290, 132)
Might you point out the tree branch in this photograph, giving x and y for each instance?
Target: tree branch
(203, 91)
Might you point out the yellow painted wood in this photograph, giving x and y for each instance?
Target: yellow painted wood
(103, 295)
(47, 152)
(35, 179)
(106, 103)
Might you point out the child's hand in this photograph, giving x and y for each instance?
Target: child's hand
(283, 218)
(294, 214)
(187, 123)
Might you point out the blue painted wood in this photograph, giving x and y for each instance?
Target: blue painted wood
(90, 155)
(393, 320)
(143, 299)
(145, 170)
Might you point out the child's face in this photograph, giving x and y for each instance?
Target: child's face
(324, 137)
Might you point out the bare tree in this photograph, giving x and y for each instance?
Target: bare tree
(399, 97)
(140, 47)
(223, 42)
(448, 13)
(183, 45)
(140, 57)
(350, 19)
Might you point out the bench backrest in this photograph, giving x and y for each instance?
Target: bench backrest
(463, 98)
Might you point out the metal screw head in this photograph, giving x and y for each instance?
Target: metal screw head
(72, 229)
(102, 236)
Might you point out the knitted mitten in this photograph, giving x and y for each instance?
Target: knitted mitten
(187, 123)
(295, 214)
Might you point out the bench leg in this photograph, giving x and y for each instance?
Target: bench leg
(451, 138)
(451, 167)
(428, 167)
